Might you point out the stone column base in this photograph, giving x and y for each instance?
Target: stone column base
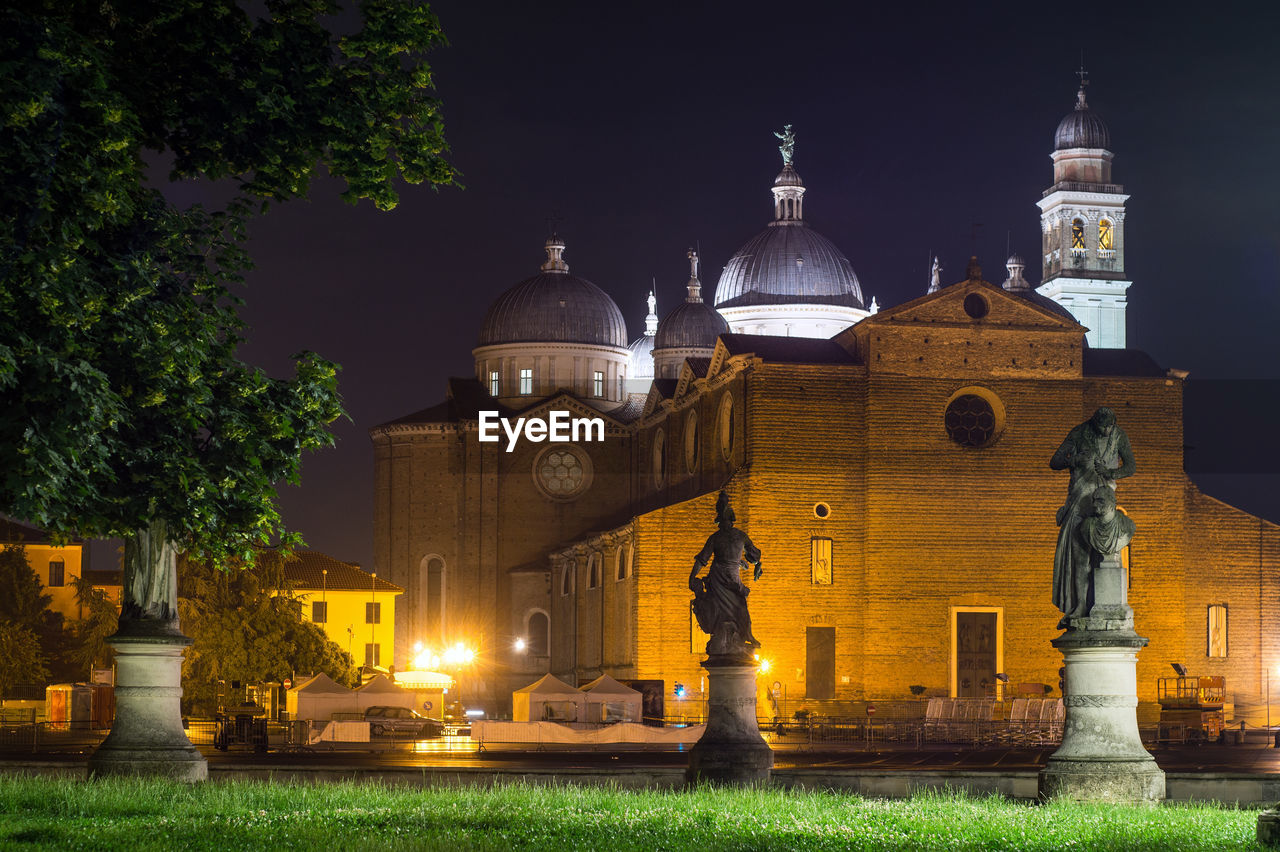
(731, 750)
(1102, 758)
(147, 737)
(1121, 781)
(1269, 827)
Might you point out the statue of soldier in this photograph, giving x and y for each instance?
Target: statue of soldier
(1097, 453)
(720, 598)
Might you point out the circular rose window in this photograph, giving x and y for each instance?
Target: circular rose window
(562, 472)
(970, 421)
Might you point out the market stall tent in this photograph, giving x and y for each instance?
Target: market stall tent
(318, 698)
(382, 691)
(610, 701)
(548, 699)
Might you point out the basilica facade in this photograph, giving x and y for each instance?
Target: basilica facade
(891, 464)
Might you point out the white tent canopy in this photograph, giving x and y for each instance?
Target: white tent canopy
(382, 691)
(318, 698)
(548, 699)
(610, 701)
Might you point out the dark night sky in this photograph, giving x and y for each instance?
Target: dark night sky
(648, 127)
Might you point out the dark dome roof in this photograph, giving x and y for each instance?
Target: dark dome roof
(1081, 129)
(554, 307)
(765, 271)
(1045, 302)
(691, 324)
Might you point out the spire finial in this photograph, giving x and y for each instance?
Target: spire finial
(695, 284)
(1084, 81)
(651, 321)
(788, 146)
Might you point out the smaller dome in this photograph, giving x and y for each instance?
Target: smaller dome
(1015, 259)
(788, 177)
(690, 325)
(554, 307)
(641, 357)
(1082, 128)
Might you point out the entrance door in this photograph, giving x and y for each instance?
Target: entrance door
(975, 653)
(820, 662)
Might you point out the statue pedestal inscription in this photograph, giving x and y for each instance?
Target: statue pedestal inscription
(731, 750)
(147, 737)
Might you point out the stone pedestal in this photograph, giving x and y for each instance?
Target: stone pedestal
(1102, 758)
(147, 737)
(1269, 827)
(731, 750)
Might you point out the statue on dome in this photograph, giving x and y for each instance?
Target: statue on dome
(935, 276)
(720, 598)
(1097, 453)
(788, 146)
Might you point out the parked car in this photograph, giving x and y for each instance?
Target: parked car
(394, 720)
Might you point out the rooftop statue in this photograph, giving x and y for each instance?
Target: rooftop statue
(720, 598)
(1097, 453)
(788, 146)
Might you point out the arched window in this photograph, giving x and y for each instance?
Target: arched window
(1077, 235)
(539, 633)
(726, 427)
(593, 571)
(691, 442)
(566, 579)
(624, 561)
(431, 594)
(659, 467)
(1106, 237)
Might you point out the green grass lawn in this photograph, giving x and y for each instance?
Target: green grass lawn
(129, 815)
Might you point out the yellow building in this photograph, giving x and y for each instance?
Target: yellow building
(56, 566)
(356, 609)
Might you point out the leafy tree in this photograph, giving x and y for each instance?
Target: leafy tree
(247, 626)
(22, 598)
(124, 410)
(21, 660)
(98, 620)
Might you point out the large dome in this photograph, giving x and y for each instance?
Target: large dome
(788, 263)
(554, 307)
(1081, 128)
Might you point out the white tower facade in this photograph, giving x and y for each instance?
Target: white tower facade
(1082, 226)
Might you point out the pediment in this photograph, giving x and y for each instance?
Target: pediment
(992, 306)
(565, 401)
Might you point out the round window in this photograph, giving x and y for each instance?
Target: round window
(971, 421)
(726, 427)
(691, 441)
(821, 510)
(976, 306)
(562, 473)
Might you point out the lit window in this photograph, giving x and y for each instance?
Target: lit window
(597, 383)
(1077, 235)
(820, 564)
(57, 574)
(372, 654)
(526, 382)
(372, 613)
(319, 612)
(494, 387)
(1218, 630)
(1106, 238)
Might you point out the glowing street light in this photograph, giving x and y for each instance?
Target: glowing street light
(520, 646)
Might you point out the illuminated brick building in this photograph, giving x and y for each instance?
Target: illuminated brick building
(891, 465)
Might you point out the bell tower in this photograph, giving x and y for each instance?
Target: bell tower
(1082, 226)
